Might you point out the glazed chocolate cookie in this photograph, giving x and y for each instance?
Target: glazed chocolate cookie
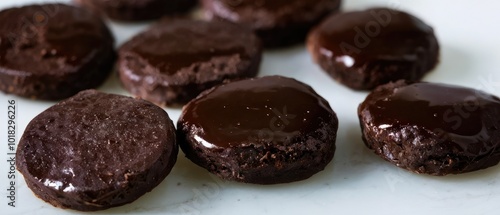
(53, 51)
(265, 131)
(94, 151)
(430, 128)
(175, 60)
(277, 22)
(365, 49)
(137, 10)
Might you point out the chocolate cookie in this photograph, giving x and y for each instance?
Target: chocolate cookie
(431, 128)
(252, 131)
(53, 51)
(137, 10)
(277, 22)
(95, 151)
(365, 49)
(175, 60)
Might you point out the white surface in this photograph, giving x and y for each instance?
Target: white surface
(356, 182)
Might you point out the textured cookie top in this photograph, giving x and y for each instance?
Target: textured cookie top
(268, 110)
(95, 143)
(465, 118)
(380, 34)
(56, 38)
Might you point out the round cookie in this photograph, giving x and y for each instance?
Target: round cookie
(137, 10)
(94, 151)
(176, 59)
(364, 49)
(251, 131)
(277, 22)
(432, 128)
(53, 51)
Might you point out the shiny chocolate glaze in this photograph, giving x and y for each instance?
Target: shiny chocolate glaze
(53, 51)
(433, 119)
(364, 49)
(174, 48)
(277, 22)
(265, 4)
(240, 113)
(134, 10)
(68, 35)
(265, 130)
(278, 11)
(176, 59)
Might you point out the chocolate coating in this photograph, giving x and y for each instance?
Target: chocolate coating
(431, 128)
(53, 51)
(137, 10)
(95, 151)
(251, 131)
(170, 64)
(277, 22)
(364, 49)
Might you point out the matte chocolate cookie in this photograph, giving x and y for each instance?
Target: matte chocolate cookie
(175, 60)
(137, 10)
(364, 49)
(277, 22)
(265, 131)
(94, 151)
(53, 51)
(431, 128)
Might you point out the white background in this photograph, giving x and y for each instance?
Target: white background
(356, 182)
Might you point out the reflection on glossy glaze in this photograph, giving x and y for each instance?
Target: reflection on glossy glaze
(271, 108)
(447, 111)
(375, 34)
(94, 145)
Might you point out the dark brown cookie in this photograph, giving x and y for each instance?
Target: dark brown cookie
(431, 128)
(53, 51)
(94, 151)
(277, 22)
(265, 131)
(137, 10)
(175, 60)
(365, 49)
